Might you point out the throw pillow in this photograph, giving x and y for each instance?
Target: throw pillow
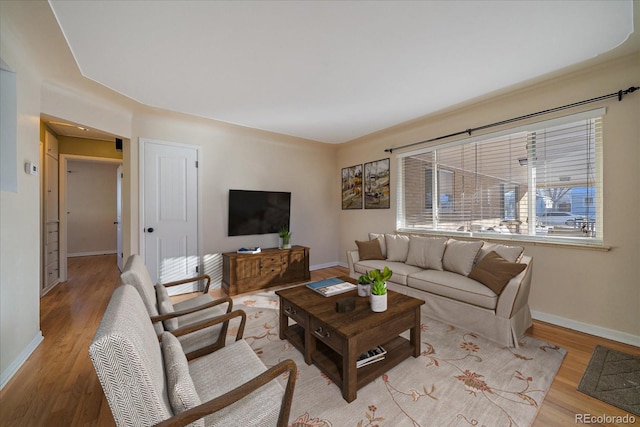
(426, 252)
(383, 245)
(494, 272)
(165, 306)
(397, 247)
(182, 392)
(510, 253)
(459, 256)
(369, 249)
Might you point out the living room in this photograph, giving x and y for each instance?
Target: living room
(588, 289)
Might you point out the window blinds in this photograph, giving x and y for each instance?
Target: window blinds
(543, 181)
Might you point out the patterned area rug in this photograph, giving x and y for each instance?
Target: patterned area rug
(460, 379)
(613, 377)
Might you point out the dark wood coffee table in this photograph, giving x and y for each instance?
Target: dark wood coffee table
(333, 341)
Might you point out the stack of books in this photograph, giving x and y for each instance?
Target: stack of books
(330, 287)
(371, 356)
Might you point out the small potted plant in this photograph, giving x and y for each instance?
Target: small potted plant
(378, 298)
(364, 286)
(285, 235)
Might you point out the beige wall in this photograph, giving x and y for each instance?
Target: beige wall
(596, 291)
(19, 223)
(241, 158)
(88, 147)
(91, 207)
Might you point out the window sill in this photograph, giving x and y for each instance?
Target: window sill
(511, 239)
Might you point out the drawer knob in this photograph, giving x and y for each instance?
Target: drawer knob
(321, 333)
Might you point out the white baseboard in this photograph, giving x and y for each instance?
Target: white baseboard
(92, 253)
(321, 266)
(13, 367)
(587, 328)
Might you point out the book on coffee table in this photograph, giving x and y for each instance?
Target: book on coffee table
(330, 287)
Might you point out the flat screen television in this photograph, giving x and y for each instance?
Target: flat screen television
(258, 212)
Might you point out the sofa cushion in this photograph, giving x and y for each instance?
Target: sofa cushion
(494, 272)
(165, 306)
(397, 247)
(182, 392)
(383, 244)
(426, 252)
(454, 286)
(510, 253)
(369, 249)
(400, 269)
(459, 257)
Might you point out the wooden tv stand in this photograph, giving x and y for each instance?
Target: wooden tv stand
(272, 267)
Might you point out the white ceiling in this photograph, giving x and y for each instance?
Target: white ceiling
(327, 70)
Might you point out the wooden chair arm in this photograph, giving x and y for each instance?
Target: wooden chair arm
(189, 280)
(240, 392)
(214, 321)
(161, 317)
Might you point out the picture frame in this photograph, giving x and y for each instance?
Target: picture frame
(352, 187)
(376, 182)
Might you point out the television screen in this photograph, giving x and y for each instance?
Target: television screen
(258, 212)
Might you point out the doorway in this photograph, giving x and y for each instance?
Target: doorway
(88, 207)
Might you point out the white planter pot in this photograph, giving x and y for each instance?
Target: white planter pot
(364, 290)
(378, 303)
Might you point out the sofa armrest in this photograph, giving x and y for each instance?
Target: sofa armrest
(516, 294)
(353, 256)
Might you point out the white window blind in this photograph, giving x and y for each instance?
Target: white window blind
(538, 182)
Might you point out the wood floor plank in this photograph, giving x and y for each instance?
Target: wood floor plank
(58, 386)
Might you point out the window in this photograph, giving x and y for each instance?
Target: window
(536, 182)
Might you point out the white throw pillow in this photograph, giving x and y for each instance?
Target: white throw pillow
(180, 388)
(426, 252)
(510, 253)
(165, 306)
(459, 257)
(397, 247)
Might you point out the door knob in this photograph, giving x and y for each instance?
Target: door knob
(150, 230)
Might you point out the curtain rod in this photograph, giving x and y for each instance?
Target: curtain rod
(618, 94)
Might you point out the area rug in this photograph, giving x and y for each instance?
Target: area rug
(460, 379)
(613, 377)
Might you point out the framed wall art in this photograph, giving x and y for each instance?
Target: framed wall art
(352, 187)
(376, 184)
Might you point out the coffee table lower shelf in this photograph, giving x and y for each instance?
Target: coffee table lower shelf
(330, 362)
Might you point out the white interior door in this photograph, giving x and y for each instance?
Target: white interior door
(118, 221)
(170, 218)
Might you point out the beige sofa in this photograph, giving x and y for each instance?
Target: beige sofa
(448, 275)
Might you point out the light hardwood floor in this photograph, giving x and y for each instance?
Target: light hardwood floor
(58, 386)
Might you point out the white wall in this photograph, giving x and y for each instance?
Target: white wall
(585, 289)
(91, 208)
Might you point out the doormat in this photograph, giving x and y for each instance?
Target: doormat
(613, 377)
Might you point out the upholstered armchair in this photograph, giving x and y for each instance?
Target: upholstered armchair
(183, 319)
(147, 382)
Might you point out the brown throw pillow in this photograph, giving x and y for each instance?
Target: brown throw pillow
(494, 272)
(369, 249)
